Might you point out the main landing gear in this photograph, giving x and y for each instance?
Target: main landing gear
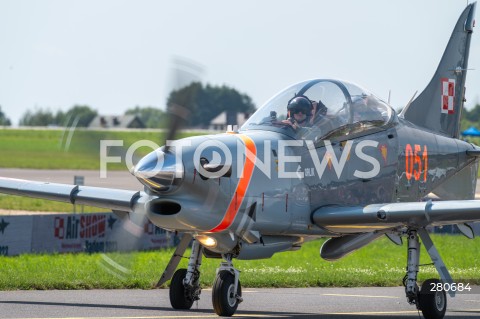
(185, 285)
(430, 300)
(227, 292)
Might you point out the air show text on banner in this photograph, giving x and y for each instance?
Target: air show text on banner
(67, 233)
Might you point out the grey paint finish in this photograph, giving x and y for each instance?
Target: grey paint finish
(358, 172)
(114, 199)
(453, 65)
(412, 214)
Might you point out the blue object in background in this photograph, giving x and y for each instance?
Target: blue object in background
(471, 131)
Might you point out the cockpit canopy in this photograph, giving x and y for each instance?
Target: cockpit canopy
(339, 108)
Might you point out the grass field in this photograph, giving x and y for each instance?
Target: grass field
(10, 202)
(47, 149)
(379, 264)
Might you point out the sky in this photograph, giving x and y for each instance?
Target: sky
(114, 55)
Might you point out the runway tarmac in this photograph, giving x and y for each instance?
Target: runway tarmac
(338, 303)
(115, 179)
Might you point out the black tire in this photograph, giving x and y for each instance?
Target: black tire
(224, 301)
(433, 304)
(178, 298)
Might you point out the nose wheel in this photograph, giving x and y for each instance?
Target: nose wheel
(227, 290)
(224, 297)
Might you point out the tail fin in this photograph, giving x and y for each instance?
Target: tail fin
(439, 106)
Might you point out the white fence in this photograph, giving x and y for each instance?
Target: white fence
(66, 233)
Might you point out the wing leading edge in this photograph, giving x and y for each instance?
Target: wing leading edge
(114, 199)
(383, 216)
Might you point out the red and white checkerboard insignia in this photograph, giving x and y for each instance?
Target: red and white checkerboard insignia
(448, 95)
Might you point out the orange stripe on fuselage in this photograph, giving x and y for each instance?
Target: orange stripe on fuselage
(242, 185)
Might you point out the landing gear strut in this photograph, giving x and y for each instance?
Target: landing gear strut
(227, 291)
(413, 261)
(185, 286)
(432, 303)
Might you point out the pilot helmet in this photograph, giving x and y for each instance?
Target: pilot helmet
(300, 103)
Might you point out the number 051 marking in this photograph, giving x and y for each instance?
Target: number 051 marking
(416, 162)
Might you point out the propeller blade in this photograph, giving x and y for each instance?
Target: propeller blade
(183, 74)
(178, 118)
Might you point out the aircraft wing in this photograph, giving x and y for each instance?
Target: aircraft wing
(390, 215)
(114, 199)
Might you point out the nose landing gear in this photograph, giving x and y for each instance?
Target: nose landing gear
(227, 290)
(185, 285)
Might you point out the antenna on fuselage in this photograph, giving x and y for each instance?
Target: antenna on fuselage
(389, 95)
(411, 100)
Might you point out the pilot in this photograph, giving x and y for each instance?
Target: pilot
(299, 112)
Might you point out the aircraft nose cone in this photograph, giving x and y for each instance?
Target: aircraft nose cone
(159, 171)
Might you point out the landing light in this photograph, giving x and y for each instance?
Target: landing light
(207, 241)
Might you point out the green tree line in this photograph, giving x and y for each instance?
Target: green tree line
(4, 120)
(81, 114)
(204, 102)
(470, 118)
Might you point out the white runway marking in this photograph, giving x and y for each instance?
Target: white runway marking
(361, 296)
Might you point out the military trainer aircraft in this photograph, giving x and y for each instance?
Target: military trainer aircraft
(323, 158)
